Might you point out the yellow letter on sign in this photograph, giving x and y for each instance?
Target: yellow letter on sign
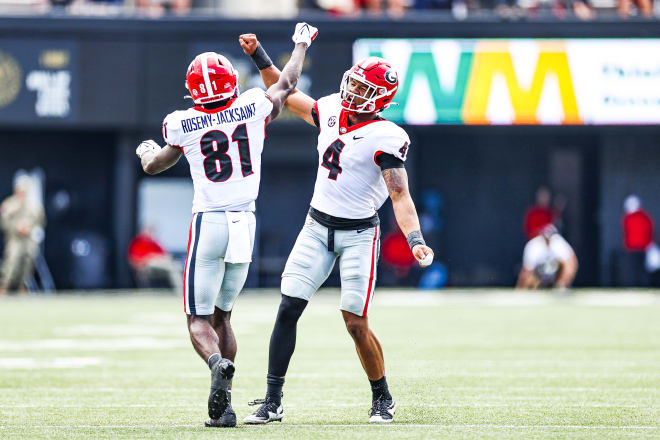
(494, 58)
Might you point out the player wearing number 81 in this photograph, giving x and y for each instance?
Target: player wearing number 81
(361, 158)
(222, 137)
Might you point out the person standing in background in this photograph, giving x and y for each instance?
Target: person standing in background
(637, 225)
(22, 221)
(540, 214)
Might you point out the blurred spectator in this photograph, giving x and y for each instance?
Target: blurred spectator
(637, 225)
(509, 9)
(396, 253)
(559, 8)
(152, 262)
(22, 220)
(638, 236)
(643, 7)
(252, 8)
(394, 8)
(540, 214)
(581, 8)
(156, 8)
(548, 261)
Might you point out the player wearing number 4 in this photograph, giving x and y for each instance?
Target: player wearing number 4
(222, 137)
(361, 159)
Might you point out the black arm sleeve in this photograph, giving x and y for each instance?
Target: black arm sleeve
(388, 161)
(315, 117)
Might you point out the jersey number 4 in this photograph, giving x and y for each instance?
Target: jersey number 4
(217, 163)
(331, 159)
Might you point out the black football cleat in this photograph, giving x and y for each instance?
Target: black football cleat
(221, 375)
(269, 411)
(228, 420)
(382, 411)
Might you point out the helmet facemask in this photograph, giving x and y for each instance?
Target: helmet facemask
(368, 97)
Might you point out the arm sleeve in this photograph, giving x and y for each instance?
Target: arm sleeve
(172, 131)
(315, 115)
(387, 161)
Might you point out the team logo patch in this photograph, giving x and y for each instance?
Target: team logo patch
(332, 121)
(390, 77)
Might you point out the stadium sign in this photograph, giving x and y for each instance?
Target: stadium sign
(522, 81)
(38, 78)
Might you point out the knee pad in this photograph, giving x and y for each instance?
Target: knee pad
(290, 309)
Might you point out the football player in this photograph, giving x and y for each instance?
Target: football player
(548, 261)
(360, 163)
(222, 137)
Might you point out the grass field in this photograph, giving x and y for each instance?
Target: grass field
(460, 365)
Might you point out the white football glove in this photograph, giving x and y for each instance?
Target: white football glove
(304, 33)
(145, 146)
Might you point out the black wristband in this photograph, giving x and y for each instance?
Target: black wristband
(415, 238)
(261, 58)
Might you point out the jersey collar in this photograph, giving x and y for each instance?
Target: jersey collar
(345, 128)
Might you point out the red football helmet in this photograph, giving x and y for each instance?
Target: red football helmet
(381, 82)
(210, 78)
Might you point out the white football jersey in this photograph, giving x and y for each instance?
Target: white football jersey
(223, 147)
(349, 183)
(537, 251)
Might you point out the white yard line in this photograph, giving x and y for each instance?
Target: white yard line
(358, 405)
(326, 426)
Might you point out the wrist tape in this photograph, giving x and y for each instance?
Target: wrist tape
(415, 238)
(261, 58)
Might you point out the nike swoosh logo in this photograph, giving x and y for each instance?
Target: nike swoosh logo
(362, 230)
(235, 221)
(355, 138)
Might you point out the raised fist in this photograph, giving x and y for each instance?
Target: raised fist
(249, 43)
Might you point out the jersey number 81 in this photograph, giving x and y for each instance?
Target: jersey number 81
(217, 163)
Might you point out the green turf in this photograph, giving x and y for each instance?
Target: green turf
(460, 365)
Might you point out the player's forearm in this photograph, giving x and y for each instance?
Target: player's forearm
(291, 72)
(523, 279)
(154, 163)
(405, 213)
(270, 75)
(396, 180)
(568, 273)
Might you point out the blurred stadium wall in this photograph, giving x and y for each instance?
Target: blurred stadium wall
(495, 110)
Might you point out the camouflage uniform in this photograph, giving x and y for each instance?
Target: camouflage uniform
(20, 221)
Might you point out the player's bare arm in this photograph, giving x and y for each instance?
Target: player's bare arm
(297, 102)
(567, 274)
(279, 91)
(526, 279)
(155, 159)
(396, 180)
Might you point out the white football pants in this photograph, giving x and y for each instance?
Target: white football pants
(310, 264)
(209, 281)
